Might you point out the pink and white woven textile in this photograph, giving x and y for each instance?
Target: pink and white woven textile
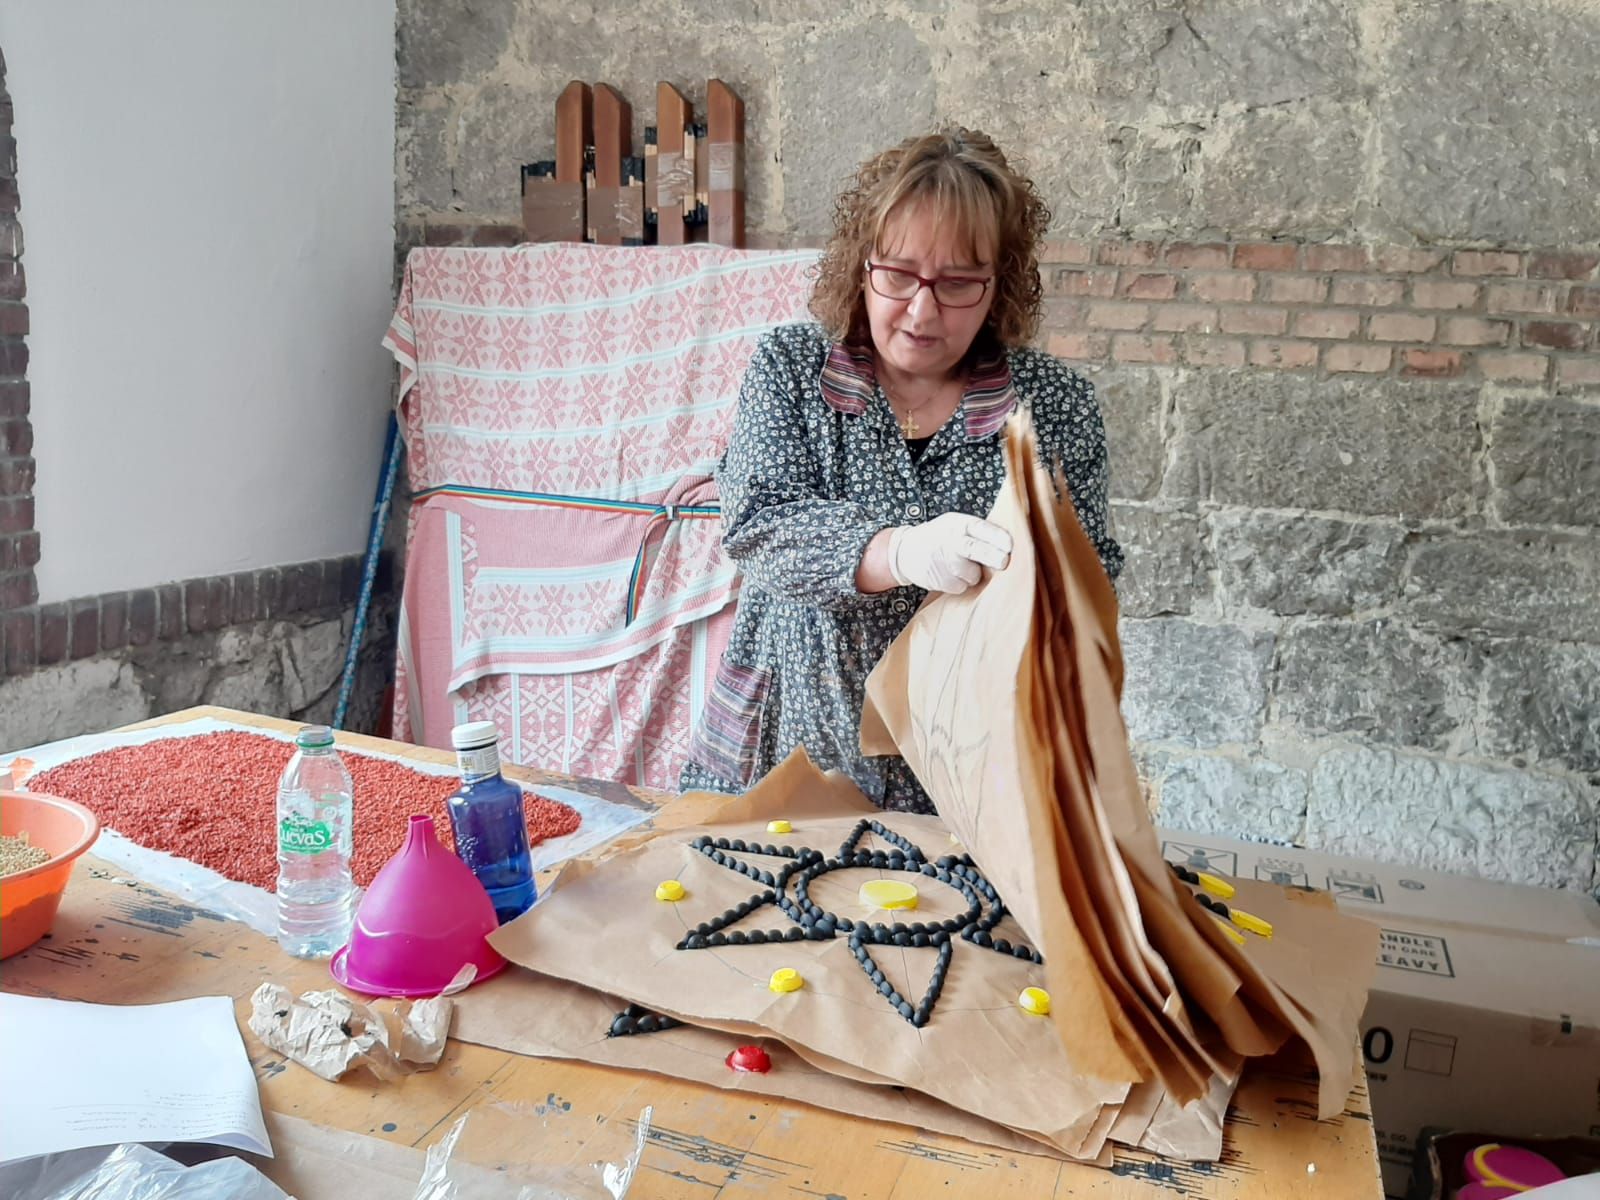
(560, 403)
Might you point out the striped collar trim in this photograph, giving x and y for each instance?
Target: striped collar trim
(849, 378)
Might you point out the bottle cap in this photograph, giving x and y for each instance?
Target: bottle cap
(785, 979)
(888, 894)
(1233, 935)
(779, 826)
(1034, 1000)
(749, 1058)
(474, 735)
(312, 737)
(1512, 1167)
(1251, 923)
(669, 889)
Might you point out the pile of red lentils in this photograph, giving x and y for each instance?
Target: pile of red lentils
(212, 799)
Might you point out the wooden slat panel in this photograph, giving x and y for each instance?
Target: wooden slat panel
(675, 170)
(613, 134)
(613, 142)
(574, 130)
(551, 211)
(725, 190)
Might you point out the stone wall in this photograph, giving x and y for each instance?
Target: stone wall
(1393, 121)
(1358, 487)
(1333, 269)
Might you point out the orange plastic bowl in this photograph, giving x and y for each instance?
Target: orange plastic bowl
(29, 899)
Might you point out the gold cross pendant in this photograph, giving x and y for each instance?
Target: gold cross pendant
(908, 427)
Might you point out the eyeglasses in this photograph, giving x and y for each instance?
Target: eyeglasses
(949, 291)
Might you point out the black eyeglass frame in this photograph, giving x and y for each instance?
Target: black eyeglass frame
(931, 284)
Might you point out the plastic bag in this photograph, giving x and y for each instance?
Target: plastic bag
(133, 1172)
(442, 1180)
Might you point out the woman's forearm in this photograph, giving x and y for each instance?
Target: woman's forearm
(873, 575)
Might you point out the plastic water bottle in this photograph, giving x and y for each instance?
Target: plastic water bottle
(486, 815)
(316, 893)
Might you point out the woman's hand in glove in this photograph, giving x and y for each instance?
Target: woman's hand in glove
(948, 553)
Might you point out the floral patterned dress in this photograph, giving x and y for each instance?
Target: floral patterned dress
(815, 466)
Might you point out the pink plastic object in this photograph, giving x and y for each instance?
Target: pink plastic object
(1478, 1190)
(1511, 1166)
(424, 918)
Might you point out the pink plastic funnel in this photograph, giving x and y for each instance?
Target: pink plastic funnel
(423, 919)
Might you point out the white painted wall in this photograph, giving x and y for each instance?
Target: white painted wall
(207, 205)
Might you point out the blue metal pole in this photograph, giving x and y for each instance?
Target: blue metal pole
(392, 447)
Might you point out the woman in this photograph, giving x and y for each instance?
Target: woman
(866, 450)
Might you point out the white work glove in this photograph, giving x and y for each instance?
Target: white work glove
(948, 553)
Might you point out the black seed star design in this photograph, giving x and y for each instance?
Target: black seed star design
(810, 922)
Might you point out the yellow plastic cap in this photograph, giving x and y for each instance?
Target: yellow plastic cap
(779, 827)
(888, 894)
(1234, 935)
(669, 890)
(1034, 1000)
(1251, 923)
(785, 979)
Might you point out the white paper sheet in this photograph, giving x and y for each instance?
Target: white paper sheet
(75, 1075)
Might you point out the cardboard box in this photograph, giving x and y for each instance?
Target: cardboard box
(1485, 1013)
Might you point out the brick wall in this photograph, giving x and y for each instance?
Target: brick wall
(43, 635)
(1514, 316)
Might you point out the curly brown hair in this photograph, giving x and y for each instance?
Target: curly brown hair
(975, 192)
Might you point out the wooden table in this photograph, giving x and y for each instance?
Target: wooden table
(120, 941)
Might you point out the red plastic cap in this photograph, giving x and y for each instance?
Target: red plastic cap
(749, 1058)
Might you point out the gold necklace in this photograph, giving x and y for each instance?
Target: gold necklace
(908, 423)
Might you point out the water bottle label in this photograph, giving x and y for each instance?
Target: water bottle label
(299, 836)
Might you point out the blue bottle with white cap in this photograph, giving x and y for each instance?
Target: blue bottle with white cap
(490, 829)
